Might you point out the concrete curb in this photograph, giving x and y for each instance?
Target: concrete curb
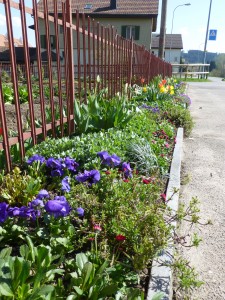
(161, 276)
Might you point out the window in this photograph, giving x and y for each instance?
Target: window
(88, 6)
(130, 31)
(43, 41)
(52, 41)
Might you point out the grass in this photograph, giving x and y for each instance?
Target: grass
(195, 79)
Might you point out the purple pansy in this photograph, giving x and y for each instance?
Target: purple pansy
(3, 212)
(23, 212)
(58, 207)
(56, 165)
(103, 155)
(113, 160)
(110, 160)
(65, 184)
(80, 211)
(126, 170)
(36, 203)
(70, 163)
(36, 157)
(42, 194)
(91, 177)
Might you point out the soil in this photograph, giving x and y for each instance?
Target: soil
(24, 108)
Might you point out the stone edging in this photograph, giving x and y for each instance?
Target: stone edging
(161, 276)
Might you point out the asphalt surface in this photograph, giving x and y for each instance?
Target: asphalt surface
(204, 165)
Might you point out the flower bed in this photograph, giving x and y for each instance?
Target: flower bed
(84, 216)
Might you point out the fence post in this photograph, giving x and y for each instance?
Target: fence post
(14, 77)
(69, 37)
(3, 124)
(131, 64)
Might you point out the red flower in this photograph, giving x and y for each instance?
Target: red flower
(142, 80)
(163, 196)
(126, 180)
(164, 81)
(120, 238)
(107, 172)
(167, 145)
(1, 131)
(146, 181)
(97, 227)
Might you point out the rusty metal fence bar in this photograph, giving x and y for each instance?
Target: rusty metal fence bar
(78, 49)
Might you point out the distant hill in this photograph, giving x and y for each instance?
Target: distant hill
(197, 56)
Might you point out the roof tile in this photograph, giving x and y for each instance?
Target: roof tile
(124, 7)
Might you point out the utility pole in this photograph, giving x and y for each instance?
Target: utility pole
(206, 35)
(162, 29)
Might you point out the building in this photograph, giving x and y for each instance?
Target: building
(129, 18)
(4, 43)
(173, 47)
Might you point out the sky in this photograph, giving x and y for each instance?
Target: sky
(191, 22)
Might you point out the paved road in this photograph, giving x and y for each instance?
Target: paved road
(204, 162)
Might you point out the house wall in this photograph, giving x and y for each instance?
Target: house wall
(145, 27)
(172, 56)
(117, 23)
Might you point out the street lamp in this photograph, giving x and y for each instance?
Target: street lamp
(185, 4)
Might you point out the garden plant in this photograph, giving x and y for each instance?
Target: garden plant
(84, 216)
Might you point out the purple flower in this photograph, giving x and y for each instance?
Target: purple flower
(126, 170)
(36, 202)
(65, 184)
(42, 194)
(36, 157)
(80, 211)
(111, 161)
(103, 155)
(3, 212)
(70, 163)
(91, 177)
(57, 172)
(60, 198)
(57, 207)
(23, 212)
(56, 165)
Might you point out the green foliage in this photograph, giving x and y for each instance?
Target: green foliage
(101, 114)
(186, 276)
(8, 94)
(181, 117)
(27, 276)
(17, 188)
(143, 157)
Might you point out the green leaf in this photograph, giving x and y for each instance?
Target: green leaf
(5, 290)
(5, 252)
(24, 251)
(78, 290)
(158, 296)
(31, 247)
(81, 260)
(86, 272)
(108, 290)
(71, 297)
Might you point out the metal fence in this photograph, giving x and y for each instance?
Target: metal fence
(86, 50)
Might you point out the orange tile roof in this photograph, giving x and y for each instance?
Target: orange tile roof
(102, 7)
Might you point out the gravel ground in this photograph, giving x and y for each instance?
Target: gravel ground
(204, 163)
